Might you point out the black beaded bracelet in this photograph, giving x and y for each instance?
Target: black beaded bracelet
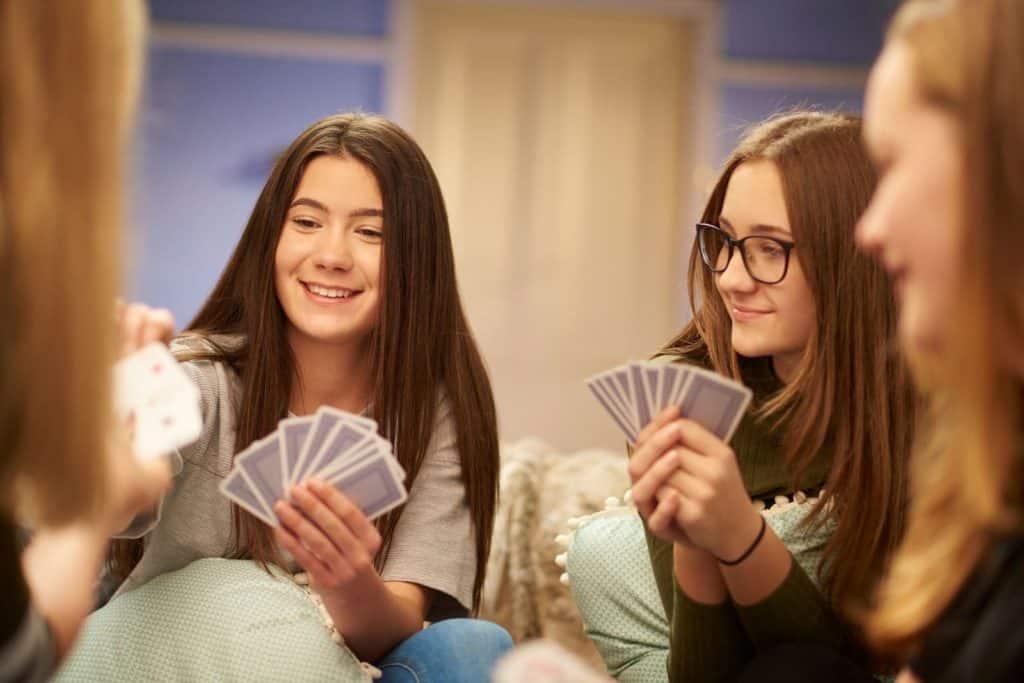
(745, 555)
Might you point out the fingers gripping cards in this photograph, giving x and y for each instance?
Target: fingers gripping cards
(633, 394)
(343, 449)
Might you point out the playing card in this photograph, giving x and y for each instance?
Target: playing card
(652, 385)
(600, 392)
(715, 402)
(622, 382)
(621, 398)
(633, 394)
(292, 433)
(324, 422)
(348, 454)
(146, 375)
(236, 487)
(672, 376)
(346, 436)
(371, 485)
(152, 390)
(261, 464)
(166, 425)
(641, 401)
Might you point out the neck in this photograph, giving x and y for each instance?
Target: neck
(337, 375)
(785, 366)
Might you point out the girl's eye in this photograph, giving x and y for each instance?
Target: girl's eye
(370, 232)
(306, 223)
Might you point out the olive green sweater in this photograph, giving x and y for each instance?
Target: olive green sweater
(714, 642)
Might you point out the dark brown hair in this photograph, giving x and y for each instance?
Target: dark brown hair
(851, 393)
(422, 343)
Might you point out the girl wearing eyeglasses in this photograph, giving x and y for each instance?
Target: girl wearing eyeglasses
(782, 302)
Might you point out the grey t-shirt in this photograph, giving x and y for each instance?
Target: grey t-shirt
(432, 546)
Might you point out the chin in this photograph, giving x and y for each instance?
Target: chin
(744, 345)
(332, 335)
(918, 338)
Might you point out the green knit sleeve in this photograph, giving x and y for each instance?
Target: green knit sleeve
(707, 642)
(660, 552)
(795, 611)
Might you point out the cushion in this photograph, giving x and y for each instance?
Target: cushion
(215, 619)
(614, 588)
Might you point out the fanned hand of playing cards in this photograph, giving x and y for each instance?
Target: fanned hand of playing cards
(634, 393)
(153, 391)
(340, 448)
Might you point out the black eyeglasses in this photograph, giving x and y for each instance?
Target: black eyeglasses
(765, 258)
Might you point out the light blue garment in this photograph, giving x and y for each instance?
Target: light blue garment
(450, 651)
(613, 585)
(614, 588)
(214, 620)
(229, 620)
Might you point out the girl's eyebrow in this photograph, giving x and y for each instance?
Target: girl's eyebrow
(760, 228)
(365, 212)
(306, 201)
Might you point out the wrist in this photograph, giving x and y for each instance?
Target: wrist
(697, 574)
(733, 561)
(693, 556)
(365, 589)
(739, 539)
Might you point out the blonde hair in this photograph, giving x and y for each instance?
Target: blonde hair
(68, 82)
(967, 58)
(850, 395)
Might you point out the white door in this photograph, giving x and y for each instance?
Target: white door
(560, 139)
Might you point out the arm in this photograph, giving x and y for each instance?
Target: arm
(60, 566)
(27, 644)
(379, 617)
(336, 544)
(707, 642)
(774, 598)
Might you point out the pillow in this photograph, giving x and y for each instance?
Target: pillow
(609, 572)
(613, 585)
(215, 619)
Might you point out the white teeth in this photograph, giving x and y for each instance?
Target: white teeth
(330, 293)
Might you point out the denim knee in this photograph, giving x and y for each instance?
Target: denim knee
(453, 651)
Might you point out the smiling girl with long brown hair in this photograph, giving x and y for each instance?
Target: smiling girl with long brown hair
(342, 292)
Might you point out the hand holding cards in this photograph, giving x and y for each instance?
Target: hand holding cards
(340, 448)
(152, 390)
(634, 393)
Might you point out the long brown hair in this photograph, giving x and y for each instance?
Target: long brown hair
(850, 393)
(68, 86)
(966, 59)
(422, 343)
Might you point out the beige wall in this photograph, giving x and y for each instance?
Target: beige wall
(561, 142)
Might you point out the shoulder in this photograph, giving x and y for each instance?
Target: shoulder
(698, 359)
(444, 438)
(203, 360)
(978, 632)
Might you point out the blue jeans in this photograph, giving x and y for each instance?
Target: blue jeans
(450, 651)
